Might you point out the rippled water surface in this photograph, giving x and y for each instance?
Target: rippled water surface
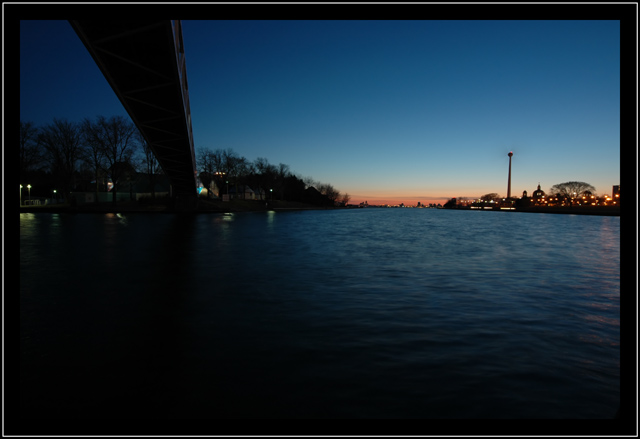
(366, 313)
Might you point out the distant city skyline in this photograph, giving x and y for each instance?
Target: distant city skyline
(387, 111)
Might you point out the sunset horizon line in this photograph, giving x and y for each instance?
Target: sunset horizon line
(408, 200)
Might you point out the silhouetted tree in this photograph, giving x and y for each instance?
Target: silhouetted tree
(450, 204)
(266, 174)
(294, 188)
(126, 175)
(313, 196)
(571, 190)
(93, 154)
(116, 138)
(234, 166)
(346, 197)
(310, 182)
(266, 179)
(282, 173)
(230, 161)
(252, 178)
(149, 163)
(490, 197)
(217, 164)
(244, 169)
(206, 168)
(329, 191)
(62, 141)
(31, 155)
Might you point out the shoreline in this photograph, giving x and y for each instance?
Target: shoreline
(203, 206)
(578, 210)
(566, 210)
(236, 206)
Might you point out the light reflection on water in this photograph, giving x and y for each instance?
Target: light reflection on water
(365, 313)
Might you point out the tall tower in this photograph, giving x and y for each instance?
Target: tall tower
(509, 183)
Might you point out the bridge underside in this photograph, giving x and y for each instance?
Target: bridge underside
(144, 63)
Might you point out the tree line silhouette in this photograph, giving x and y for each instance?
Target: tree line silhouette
(88, 155)
(225, 168)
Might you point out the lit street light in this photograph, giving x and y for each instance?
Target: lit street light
(29, 189)
(55, 195)
(21, 195)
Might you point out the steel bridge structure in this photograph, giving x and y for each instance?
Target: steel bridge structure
(144, 63)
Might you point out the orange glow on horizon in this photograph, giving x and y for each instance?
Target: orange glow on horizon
(411, 199)
(394, 201)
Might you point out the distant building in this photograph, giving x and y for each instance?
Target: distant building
(538, 196)
(525, 201)
(244, 192)
(615, 195)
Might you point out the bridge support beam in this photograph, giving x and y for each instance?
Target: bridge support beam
(144, 63)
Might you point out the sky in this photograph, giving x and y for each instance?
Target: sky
(386, 111)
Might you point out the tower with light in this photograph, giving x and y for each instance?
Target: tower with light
(509, 182)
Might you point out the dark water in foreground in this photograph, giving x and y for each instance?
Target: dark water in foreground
(390, 313)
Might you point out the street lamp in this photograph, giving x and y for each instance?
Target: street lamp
(55, 194)
(21, 195)
(271, 190)
(29, 188)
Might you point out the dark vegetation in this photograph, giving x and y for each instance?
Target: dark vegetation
(108, 155)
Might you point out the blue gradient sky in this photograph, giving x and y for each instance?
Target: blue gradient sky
(388, 111)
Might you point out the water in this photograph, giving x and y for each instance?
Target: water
(367, 313)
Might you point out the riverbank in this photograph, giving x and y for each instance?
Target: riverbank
(218, 206)
(566, 210)
(573, 210)
(167, 206)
